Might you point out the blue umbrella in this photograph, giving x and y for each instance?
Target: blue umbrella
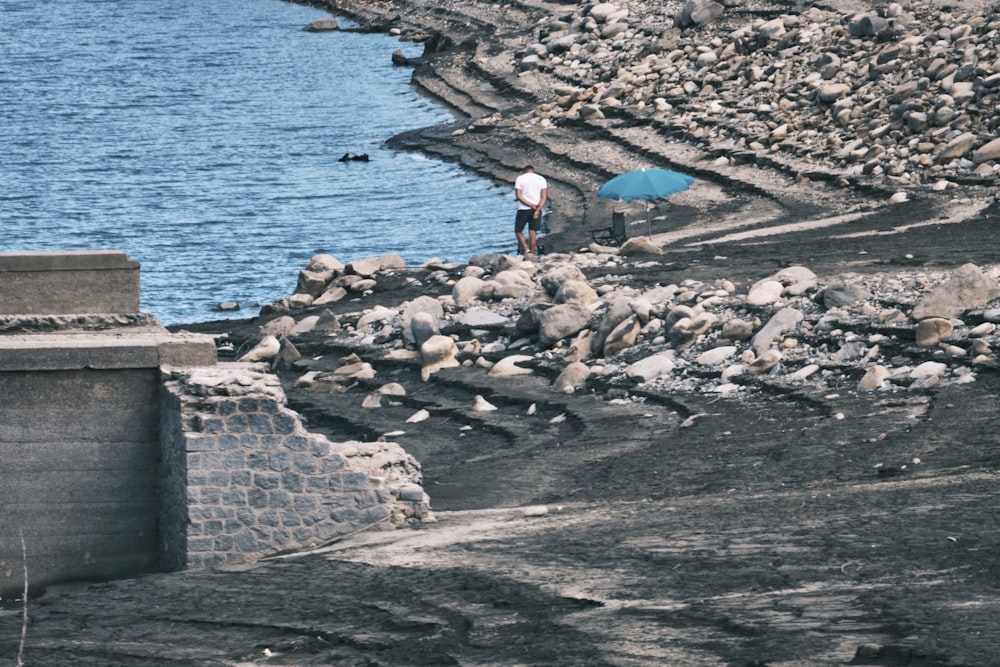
(646, 185)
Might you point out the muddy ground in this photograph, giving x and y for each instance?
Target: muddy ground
(768, 528)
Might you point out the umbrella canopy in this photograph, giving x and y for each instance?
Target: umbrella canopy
(645, 184)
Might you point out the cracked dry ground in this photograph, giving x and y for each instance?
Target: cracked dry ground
(684, 530)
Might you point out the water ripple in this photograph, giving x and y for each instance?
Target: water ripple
(204, 142)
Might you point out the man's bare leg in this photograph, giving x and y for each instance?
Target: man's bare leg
(522, 243)
(533, 235)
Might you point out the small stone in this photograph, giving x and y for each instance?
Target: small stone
(765, 362)
(508, 367)
(716, 356)
(418, 416)
(436, 353)
(874, 378)
(803, 373)
(929, 332)
(984, 329)
(765, 292)
(929, 369)
(482, 405)
(572, 378)
(268, 347)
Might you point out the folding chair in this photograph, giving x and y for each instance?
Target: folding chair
(613, 235)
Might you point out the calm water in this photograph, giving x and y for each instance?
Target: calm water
(202, 137)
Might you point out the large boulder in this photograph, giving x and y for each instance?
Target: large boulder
(425, 306)
(561, 321)
(552, 280)
(619, 310)
(699, 12)
(968, 287)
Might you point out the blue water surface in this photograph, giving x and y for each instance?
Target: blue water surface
(203, 138)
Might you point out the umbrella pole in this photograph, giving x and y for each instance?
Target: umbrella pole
(649, 224)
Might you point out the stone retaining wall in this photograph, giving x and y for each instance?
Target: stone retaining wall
(242, 477)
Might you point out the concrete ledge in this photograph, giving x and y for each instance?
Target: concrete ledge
(60, 352)
(68, 260)
(47, 283)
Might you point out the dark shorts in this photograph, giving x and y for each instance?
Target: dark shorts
(525, 216)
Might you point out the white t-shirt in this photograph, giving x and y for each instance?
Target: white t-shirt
(530, 185)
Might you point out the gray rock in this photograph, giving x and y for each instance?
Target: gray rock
(616, 313)
(437, 352)
(553, 279)
(699, 12)
(561, 321)
(736, 330)
(391, 260)
(968, 287)
(572, 378)
(322, 25)
(481, 318)
(278, 327)
(652, 367)
(320, 263)
(575, 291)
(765, 362)
(842, 295)
(784, 320)
(622, 336)
(422, 326)
(331, 295)
(765, 292)
(639, 245)
(422, 304)
(312, 282)
(365, 268)
(957, 147)
(931, 331)
(987, 152)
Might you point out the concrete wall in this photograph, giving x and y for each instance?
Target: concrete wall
(79, 459)
(44, 283)
(80, 452)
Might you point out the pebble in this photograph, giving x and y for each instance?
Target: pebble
(418, 416)
(480, 404)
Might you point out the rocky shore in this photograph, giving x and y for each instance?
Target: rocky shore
(762, 434)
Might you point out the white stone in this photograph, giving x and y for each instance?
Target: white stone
(508, 367)
(265, 349)
(716, 356)
(765, 292)
(653, 366)
(482, 405)
(418, 416)
(929, 369)
(803, 373)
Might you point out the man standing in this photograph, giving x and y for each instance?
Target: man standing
(532, 192)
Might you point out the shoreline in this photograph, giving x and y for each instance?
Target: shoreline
(501, 126)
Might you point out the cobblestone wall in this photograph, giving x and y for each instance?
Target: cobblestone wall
(242, 477)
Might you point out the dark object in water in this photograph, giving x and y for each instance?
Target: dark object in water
(347, 157)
